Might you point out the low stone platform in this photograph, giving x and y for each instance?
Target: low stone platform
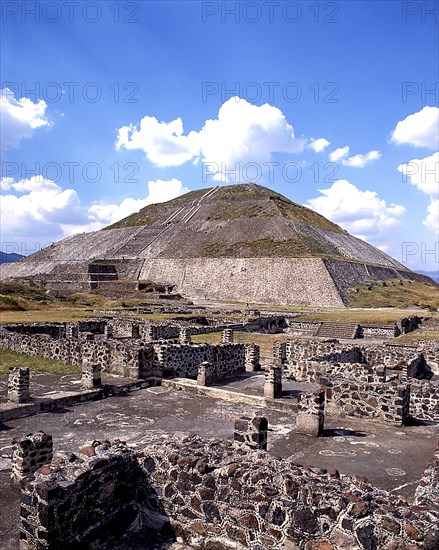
(69, 393)
(246, 389)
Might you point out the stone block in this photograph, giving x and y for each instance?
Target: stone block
(205, 374)
(311, 414)
(251, 432)
(18, 384)
(273, 382)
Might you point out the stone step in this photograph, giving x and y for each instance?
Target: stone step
(329, 329)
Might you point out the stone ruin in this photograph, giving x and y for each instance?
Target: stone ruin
(217, 494)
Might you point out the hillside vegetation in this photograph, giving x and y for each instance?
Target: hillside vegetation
(395, 293)
(232, 202)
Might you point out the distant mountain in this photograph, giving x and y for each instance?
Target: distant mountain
(433, 274)
(7, 258)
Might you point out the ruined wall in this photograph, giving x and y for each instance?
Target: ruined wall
(150, 332)
(375, 331)
(214, 493)
(113, 356)
(388, 401)
(54, 330)
(424, 400)
(297, 350)
(394, 357)
(315, 371)
(88, 501)
(182, 360)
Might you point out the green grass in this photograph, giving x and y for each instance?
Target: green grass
(363, 316)
(418, 334)
(395, 293)
(38, 364)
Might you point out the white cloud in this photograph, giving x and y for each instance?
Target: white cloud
(423, 173)
(163, 142)
(420, 129)
(356, 161)
(339, 153)
(158, 191)
(318, 145)
(432, 219)
(20, 118)
(6, 184)
(41, 211)
(362, 213)
(242, 133)
(360, 161)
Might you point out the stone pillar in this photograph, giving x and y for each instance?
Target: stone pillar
(205, 375)
(311, 413)
(150, 333)
(72, 331)
(279, 352)
(108, 332)
(252, 358)
(273, 382)
(227, 336)
(251, 431)
(405, 404)
(380, 373)
(29, 454)
(18, 385)
(91, 376)
(185, 335)
(404, 374)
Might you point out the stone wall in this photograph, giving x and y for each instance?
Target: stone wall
(113, 356)
(182, 360)
(90, 499)
(240, 279)
(218, 495)
(153, 332)
(393, 357)
(424, 400)
(378, 331)
(322, 351)
(317, 371)
(389, 402)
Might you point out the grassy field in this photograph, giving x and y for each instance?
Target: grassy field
(364, 316)
(418, 334)
(395, 293)
(13, 359)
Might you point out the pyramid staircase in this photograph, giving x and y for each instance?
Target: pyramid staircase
(338, 330)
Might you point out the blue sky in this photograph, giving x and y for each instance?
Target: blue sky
(109, 106)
